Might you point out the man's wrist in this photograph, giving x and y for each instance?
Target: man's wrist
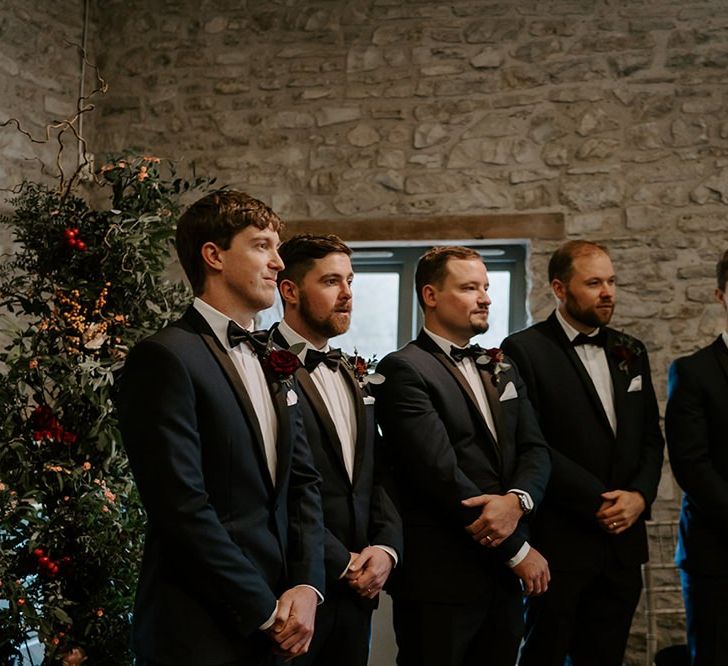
(525, 502)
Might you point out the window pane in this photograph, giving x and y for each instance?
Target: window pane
(374, 316)
(498, 317)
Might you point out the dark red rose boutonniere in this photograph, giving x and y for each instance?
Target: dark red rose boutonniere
(363, 369)
(625, 350)
(493, 361)
(280, 364)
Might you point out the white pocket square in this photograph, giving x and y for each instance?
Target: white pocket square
(635, 384)
(291, 397)
(369, 399)
(509, 392)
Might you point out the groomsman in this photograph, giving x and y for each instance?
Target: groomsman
(363, 539)
(697, 438)
(233, 556)
(591, 388)
(470, 463)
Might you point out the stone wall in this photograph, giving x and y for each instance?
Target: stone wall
(610, 111)
(39, 83)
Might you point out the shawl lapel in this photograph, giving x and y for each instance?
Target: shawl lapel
(198, 323)
(591, 391)
(491, 393)
(318, 405)
(429, 345)
(361, 421)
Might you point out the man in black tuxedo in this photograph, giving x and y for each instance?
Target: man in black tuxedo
(592, 390)
(469, 462)
(233, 556)
(363, 529)
(696, 425)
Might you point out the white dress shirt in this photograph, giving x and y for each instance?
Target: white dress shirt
(339, 402)
(470, 371)
(725, 338)
(251, 374)
(594, 359)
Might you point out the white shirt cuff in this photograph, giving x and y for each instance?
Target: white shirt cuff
(520, 555)
(344, 572)
(269, 622)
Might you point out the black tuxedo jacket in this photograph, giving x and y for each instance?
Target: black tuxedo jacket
(444, 453)
(357, 512)
(588, 459)
(223, 541)
(696, 425)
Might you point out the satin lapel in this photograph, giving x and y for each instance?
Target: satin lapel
(322, 414)
(491, 393)
(283, 441)
(722, 353)
(197, 321)
(429, 345)
(620, 379)
(308, 388)
(573, 357)
(361, 419)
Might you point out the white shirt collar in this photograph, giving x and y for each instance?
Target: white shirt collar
(725, 338)
(442, 343)
(292, 338)
(570, 331)
(217, 320)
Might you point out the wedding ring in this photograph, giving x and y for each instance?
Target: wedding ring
(613, 525)
(488, 538)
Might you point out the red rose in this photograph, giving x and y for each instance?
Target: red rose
(282, 362)
(623, 353)
(496, 355)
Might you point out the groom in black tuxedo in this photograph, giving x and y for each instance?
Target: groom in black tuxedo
(233, 556)
(363, 531)
(696, 424)
(470, 462)
(592, 390)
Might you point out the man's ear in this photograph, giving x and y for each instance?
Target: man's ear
(721, 296)
(288, 290)
(429, 296)
(211, 255)
(559, 289)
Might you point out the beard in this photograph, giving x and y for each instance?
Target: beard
(335, 323)
(478, 327)
(589, 316)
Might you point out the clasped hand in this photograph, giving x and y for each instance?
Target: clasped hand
(498, 518)
(292, 629)
(368, 571)
(620, 510)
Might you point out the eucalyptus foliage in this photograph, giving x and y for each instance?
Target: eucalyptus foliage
(83, 285)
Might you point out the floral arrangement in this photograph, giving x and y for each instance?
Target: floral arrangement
(493, 361)
(625, 350)
(363, 369)
(84, 284)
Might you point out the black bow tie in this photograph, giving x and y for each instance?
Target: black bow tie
(600, 339)
(331, 358)
(256, 341)
(473, 351)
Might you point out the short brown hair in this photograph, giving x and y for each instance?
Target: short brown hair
(721, 271)
(217, 218)
(561, 264)
(432, 266)
(299, 252)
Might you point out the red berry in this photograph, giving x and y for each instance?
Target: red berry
(75, 230)
(72, 242)
(53, 568)
(38, 552)
(69, 233)
(80, 245)
(43, 561)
